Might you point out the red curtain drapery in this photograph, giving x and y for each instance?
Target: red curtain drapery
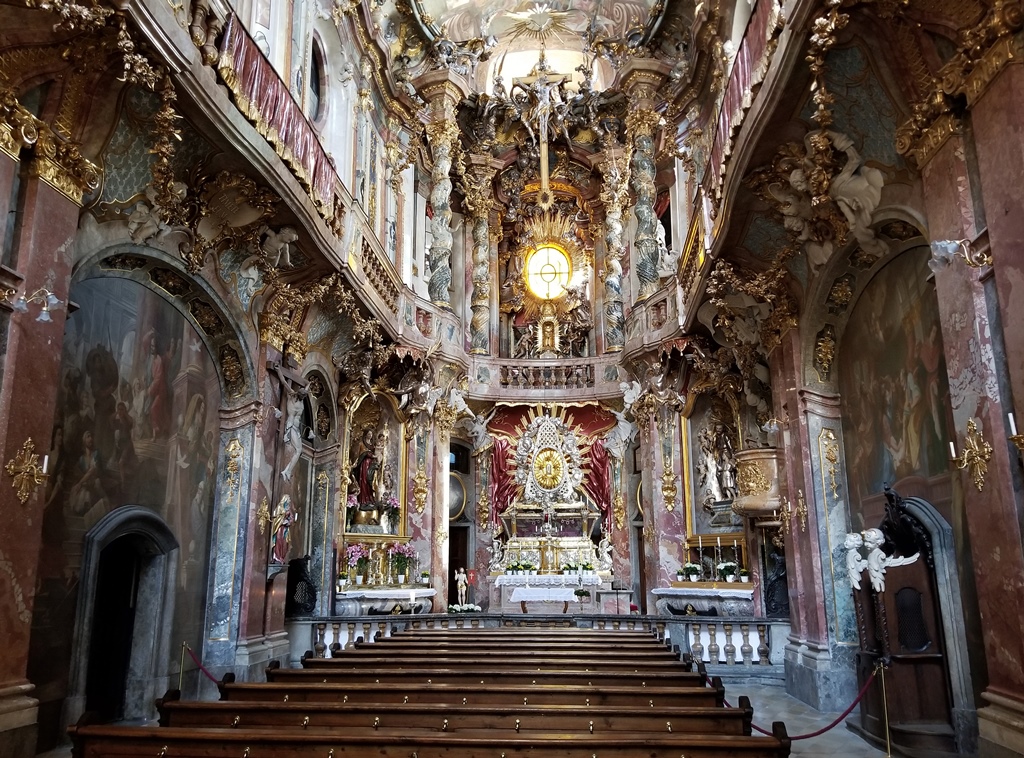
(265, 100)
(598, 484)
(503, 481)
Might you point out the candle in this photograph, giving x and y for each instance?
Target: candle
(46, 458)
(1009, 417)
(700, 542)
(734, 544)
(412, 597)
(952, 450)
(719, 542)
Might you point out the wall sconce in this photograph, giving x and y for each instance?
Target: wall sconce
(975, 455)
(944, 251)
(43, 296)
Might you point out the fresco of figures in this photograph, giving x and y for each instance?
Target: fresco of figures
(892, 376)
(136, 424)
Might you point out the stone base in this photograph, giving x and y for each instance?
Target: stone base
(18, 716)
(816, 677)
(1001, 727)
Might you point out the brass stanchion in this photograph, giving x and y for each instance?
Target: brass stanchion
(885, 711)
(181, 664)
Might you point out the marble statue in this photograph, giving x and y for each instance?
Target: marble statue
(668, 260)
(604, 554)
(878, 561)
(857, 191)
(293, 432)
(630, 394)
(617, 440)
(462, 583)
(276, 246)
(855, 563)
(477, 428)
(497, 556)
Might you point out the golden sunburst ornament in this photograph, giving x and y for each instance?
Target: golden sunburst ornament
(547, 468)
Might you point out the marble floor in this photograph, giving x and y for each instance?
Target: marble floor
(773, 704)
(770, 704)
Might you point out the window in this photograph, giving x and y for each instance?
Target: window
(547, 272)
(314, 93)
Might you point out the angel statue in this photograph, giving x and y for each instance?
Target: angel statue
(619, 436)
(878, 561)
(477, 428)
(855, 563)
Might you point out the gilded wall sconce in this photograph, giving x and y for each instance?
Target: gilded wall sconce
(1016, 439)
(27, 472)
(944, 251)
(975, 455)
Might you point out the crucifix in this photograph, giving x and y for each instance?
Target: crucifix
(544, 91)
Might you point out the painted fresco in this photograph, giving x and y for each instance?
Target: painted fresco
(892, 375)
(136, 424)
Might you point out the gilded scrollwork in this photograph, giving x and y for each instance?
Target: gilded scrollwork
(828, 448)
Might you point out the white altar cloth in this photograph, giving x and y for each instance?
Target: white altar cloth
(396, 593)
(541, 594)
(548, 580)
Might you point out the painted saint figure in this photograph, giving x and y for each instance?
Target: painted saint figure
(281, 523)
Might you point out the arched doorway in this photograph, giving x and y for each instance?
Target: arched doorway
(129, 560)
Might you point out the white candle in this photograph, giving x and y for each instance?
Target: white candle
(952, 450)
(412, 597)
(700, 542)
(719, 541)
(1013, 424)
(46, 458)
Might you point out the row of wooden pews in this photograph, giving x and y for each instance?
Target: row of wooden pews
(490, 693)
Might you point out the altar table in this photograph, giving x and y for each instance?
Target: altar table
(524, 595)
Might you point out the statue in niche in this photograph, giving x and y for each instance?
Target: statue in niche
(668, 260)
(280, 526)
(718, 470)
(372, 504)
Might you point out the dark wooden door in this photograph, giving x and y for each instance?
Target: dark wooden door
(458, 557)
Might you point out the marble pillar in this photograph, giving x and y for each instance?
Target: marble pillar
(437, 504)
(643, 123)
(326, 505)
(42, 257)
(614, 194)
(478, 199)
(973, 340)
(443, 91)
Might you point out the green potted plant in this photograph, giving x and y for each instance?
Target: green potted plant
(581, 594)
(527, 568)
(692, 571)
(744, 575)
(727, 569)
(425, 577)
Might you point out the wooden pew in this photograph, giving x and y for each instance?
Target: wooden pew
(389, 646)
(354, 661)
(93, 741)
(453, 717)
(508, 675)
(473, 693)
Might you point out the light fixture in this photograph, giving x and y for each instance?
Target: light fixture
(944, 251)
(46, 299)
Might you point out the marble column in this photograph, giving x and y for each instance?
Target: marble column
(437, 503)
(614, 167)
(326, 503)
(664, 514)
(41, 258)
(641, 81)
(973, 342)
(443, 92)
(478, 199)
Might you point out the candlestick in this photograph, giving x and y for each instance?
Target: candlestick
(1009, 417)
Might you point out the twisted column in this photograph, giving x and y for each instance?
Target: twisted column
(641, 125)
(478, 199)
(614, 195)
(443, 93)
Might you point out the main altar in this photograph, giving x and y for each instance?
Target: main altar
(549, 558)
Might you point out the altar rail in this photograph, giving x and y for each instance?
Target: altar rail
(715, 640)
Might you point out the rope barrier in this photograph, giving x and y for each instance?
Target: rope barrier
(202, 668)
(833, 725)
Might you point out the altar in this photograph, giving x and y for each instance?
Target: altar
(546, 593)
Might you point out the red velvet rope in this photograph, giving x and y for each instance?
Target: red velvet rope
(202, 668)
(843, 715)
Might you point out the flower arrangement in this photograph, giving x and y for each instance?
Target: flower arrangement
(526, 566)
(587, 566)
(391, 505)
(727, 568)
(424, 574)
(691, 569)
(357, 556)
(465, 608)
(569, 568)
(744, 574)
(581, 593)
(352, 502)
(402, 554)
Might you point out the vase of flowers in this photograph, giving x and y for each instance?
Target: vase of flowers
(402, 554)
(588, 569)
(357, 557)
(581, 594)
(464, 608)
(728, 570)
(692, 571)
(568, 568)
(389, 510)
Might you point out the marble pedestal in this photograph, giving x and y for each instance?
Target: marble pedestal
(362, 602)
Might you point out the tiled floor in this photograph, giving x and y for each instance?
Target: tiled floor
(773, 704)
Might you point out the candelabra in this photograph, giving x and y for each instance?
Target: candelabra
(1016, 439)
(944, 251)
(975, 455)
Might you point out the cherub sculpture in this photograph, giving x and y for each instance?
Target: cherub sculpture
(855, 563)
(878, 561)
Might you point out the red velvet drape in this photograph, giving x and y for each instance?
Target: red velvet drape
(598, 485)
(503, 482)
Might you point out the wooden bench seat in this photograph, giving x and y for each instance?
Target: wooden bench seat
(453, 717)
(473, 693)
(503, 676)
(351, 661)
(448, 647)
(93, 741)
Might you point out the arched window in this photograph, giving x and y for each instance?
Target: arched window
(315, 83)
